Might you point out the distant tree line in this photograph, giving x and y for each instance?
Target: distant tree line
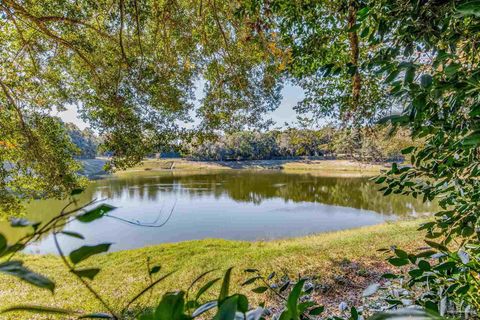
(365, 144)
(85, 140)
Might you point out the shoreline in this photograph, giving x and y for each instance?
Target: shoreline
(325, 167)
(350, 254)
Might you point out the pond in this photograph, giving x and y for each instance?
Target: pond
(158, 207)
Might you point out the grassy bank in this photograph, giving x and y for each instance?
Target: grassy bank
(350, 254)
(326, 167)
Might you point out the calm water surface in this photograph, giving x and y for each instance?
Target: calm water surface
(234, 204)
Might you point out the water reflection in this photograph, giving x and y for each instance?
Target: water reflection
(234, 204)
(257, 186)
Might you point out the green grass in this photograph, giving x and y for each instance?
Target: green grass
(125, 273)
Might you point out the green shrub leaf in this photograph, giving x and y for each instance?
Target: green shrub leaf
(87, 273)
(95, 213)
(85, 252)
(16, 268)
(73, 234)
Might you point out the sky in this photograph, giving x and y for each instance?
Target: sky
(284, 113)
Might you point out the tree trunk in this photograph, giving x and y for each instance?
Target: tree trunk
(354, 52)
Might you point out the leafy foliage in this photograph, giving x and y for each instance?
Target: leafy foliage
(131, 68)
(367, 144)
(294, 295)
(329, 56)
(429, 57)
(85, 140)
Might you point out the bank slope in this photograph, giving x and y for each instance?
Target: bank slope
(124, 273)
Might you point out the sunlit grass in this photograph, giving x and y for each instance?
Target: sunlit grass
(320, 167)
(125, 273)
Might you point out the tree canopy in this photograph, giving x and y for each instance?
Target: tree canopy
(131, 67)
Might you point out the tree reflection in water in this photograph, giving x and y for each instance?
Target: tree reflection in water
(211, 198)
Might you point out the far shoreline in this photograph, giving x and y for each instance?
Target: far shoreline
(325, 167)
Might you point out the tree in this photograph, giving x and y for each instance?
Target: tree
(428, 53)
(131, 68)
(85, 140)
(329, 56)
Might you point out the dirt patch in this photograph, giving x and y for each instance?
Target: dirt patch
(344, 289)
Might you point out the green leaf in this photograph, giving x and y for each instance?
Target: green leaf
(475, 110)
(451, 69)
(353, 313)
(284, 286)
(363, 12)
(37, 309)
(435, 245)
(96, 213)
(3, 243)
(155, 269)
(400, 253)
(380, 179)
(76, 191)
(424, 265)
(409, 75)
(242, 303)
(84, 252)
(171, 307)
(11, 249)
(390, 276)
(415, 273)
(398, 262)
(16, 268)
(73, 234)
(445, 266)
(261, 289)
(96, 316)
(225, 285)
(304, 306)
(251, 270)
(463, 289)
(469, 8)
(365, 32)
(204, 308)
(207, 286)
(227, 309)
(316, 311)
(408, 150)
(400, 119)
(293, 297)
(87, 273)
(197, 279)
(392, 76)
(472, 139)
(251, 280)
(426, 80)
